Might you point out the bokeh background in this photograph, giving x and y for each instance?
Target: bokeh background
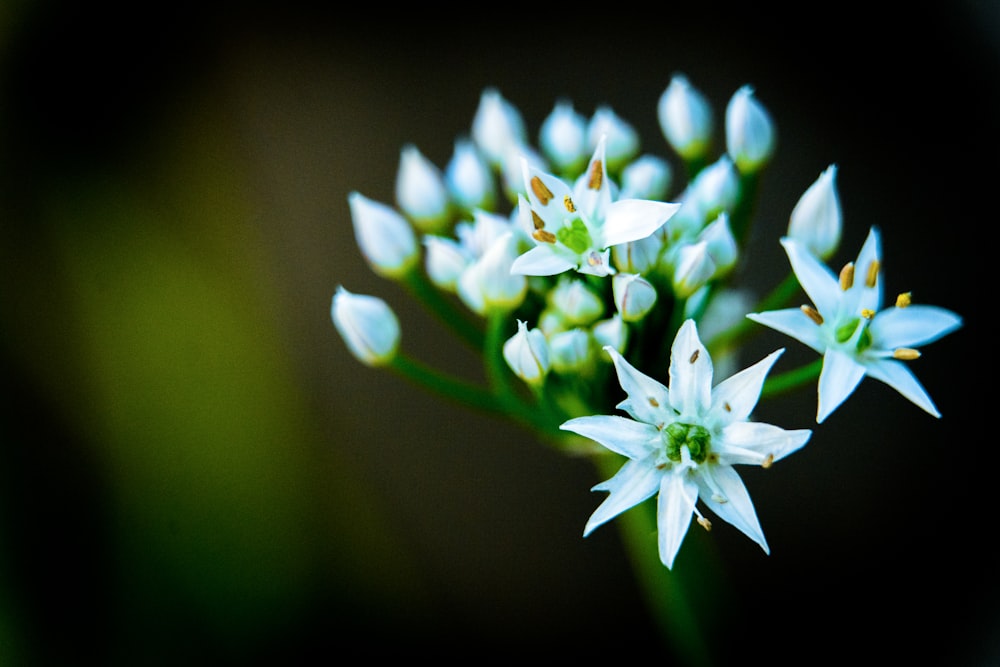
(194, 470)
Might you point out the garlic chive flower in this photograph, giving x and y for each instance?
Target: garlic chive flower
(683, 441)
(685, 118)
(487, 284)
(527, 354)
(368, 326)
(421, 192)
(563, 138)
(816, 219)
(573, 228)
(386, 239)
(848, 326)
(469, 178)
(750, 133)
(497, 126)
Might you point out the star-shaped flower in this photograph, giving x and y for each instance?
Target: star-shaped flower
(847, 325)
(683, 442)
(574, 228)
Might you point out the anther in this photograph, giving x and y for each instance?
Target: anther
(655, 403)
(704, 523)
(593, 259)
(867, 313)
(694, 356)
(768, 460)
(568, 203)
(847, 276)
(905, 353)
(543, 236)
(903, 300)
(596, 175)
(872, 273)
(537, 221)
(543, 193)
(812, 313)
(727, 407)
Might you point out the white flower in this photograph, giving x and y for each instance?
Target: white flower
(563, 138)
(421, 192)
(574, 228)
(488, 284)
(385, 238)
(497, 126)
(469, 178)
(847, 325)
(683, 441)
(749, 131)
(527, 354)
(685, 118)
(817, 220)
(368, 326)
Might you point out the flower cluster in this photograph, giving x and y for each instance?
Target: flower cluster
(590, 281)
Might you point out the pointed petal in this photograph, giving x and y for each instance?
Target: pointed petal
(647, 398)
(622, 436)
(792, 322)
(738, 509)
(896, 374)
(541, 261)
(752, 443)
(862, 295)
(818, 281)
(633, 483)
(674, 506)
(592, 191)
(690, 373)
(839, 378)
(912, 326)
(735, 398)
(633, 219)
(547, 194)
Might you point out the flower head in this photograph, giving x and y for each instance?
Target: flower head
(683, 441)
(847, 325)
(574, 227)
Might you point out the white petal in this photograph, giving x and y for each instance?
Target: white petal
(633, 483)
(690, 373)
(735, 398)
(738, 509)
(818, 281)
(912, 326)
(633, 219)
(752, 442)
(674, 506)
(593, 201)
(899, 377)
(622, 436)
(647, 399)
(792, 322)
(541, 261)
(838, 380)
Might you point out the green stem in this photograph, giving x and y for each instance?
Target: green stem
(448, 386)
(662, 589)
(783, 382)
(446, 310)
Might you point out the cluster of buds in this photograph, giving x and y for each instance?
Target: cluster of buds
(582, 267)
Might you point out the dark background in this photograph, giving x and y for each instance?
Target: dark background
(193, 469)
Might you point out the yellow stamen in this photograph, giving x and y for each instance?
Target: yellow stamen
(704, 523)
(905, 353)
(652, 401)
(568, 203)
(867, 313)
(872, 273)
(768, 460)
(537, 221)
(543, 236)
(596, 175)
(904, 300)
(543, 193)
(812, 313)
(847, 276)
(694, 356)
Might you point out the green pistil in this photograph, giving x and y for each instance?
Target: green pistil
(575, 237)
(846, 330)
(696, 438)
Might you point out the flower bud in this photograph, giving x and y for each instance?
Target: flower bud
(563, 139)
(570, 350)
(421, 192)
(721, 244)
(622, 143)
(634, 295)
(685, 118)
(749, 131)
(527, 354)
(647, 177)
(611, 331)
(693, 268)
(638, 256)
(445, 260)
(488, 283)
(469, 179)
(816, 220)
(385, 238)
(497, 126)
(578, 303)
(368, 326)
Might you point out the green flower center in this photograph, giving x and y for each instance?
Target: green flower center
(696, 438)
(845, 331)
(575, 236)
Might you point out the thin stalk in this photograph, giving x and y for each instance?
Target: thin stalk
(783, 382)
(447, 386)
(446, 310)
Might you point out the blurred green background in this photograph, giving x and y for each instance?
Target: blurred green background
(194, 470)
